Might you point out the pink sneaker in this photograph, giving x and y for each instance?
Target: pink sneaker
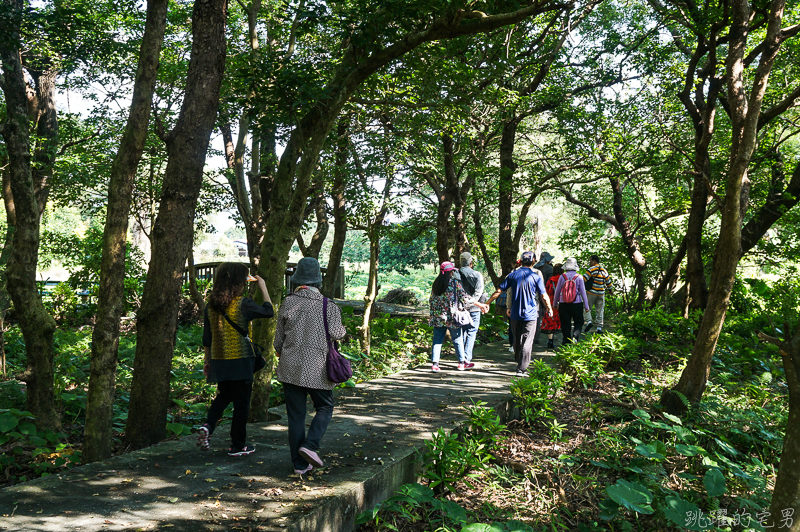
(304, 471)
(435, 368)
(462, 366)
(470, 365)
(311, 457)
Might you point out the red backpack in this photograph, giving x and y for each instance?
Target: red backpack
(570, 289)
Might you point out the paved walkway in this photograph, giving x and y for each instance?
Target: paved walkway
(369, 447)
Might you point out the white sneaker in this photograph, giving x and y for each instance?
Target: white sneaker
(510, 349)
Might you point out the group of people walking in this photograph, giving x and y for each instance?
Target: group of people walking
(539, 298)
(308, 321)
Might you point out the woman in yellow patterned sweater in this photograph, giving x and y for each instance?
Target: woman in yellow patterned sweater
(230, 359)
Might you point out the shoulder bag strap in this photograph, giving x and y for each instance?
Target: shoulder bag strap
(325, 318)
(238, 329)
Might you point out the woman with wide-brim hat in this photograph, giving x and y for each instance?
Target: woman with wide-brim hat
(302, 348)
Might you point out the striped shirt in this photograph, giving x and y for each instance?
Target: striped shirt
(597, 280)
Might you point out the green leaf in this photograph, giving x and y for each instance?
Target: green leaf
(726, 447)
(455, 512)
(714, 482)
(683, 513)
(178, 428)
(632, 496)
(518, 526)
(29, 429)
(655, 450)
(483, 527)
(688, 450)
(418, 492)
(609, 509)
(674, 419)
(7, 422)
(641, 414)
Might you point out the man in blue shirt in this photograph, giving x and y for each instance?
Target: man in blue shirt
(526, 286)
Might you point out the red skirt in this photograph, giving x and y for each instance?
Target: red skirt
(551, 324)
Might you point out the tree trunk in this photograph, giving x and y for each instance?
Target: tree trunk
(44, 155)
(111, 296)
(172, 232)
(786, 494)
(315, 246)
(339, 212)
(669, 274)
(779, 201)
(744, 110)
(695, 267)
(5, 297)
(36, 324)
(371, 295)
(637, 260)
(487, 260)
(508, 255)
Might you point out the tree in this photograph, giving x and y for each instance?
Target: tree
(744, 109)
(111, 300)
(172, 234)
(786, 493)
(29, 191)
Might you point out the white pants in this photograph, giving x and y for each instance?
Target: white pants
(599, 304)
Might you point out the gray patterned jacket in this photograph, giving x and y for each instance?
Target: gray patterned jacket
(300, 339)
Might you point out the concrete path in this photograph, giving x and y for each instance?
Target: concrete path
(369, 449)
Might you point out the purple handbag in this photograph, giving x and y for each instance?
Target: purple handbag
(338, 367)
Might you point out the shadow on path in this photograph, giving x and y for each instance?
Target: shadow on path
(369, 451)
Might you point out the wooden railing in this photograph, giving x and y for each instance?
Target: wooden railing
(206, 271)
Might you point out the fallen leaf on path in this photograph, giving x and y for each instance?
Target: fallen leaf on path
(173, 500)
(188, 472)
(211, 480)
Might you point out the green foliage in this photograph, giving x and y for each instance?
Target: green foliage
(403, 249)
(484, 426)
(62, 303)
(535, 394)
(450, 458)
(415, 503)
(631, 495)
(397, 344)
(82, 256)
(27, 451)
(584, 361)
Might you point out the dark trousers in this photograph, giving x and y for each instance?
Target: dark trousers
(238, 393)
(295, 397)
(571, 315)
(538, 325)
(524, 332)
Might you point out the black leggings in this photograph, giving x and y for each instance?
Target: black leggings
(238, 393)
(571, 315)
